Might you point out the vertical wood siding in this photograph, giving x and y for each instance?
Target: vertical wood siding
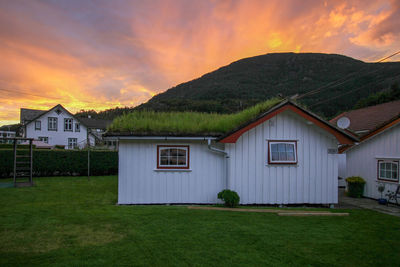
(139, 183)
(362, 160)
(312, 180)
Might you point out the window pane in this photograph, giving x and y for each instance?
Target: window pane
(382, 173)
(164, 152)
(388, 174)
(275, 156)
(282, 156)
(290, 156)
(174, 152)
(181, 152)
(274, 147)
(290, 147)
(173, 161)
(388, 166)
(164, 161)
(381, 166)
(281, 147)
(394, 167)
(182, 160)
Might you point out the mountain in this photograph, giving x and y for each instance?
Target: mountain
(251, 80)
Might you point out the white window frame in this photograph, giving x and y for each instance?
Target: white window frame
(38, 128)
(291, 142)
(71, 144)
(68, 124)
(183, 147)
(44, 139)
(396, 162)
(52, 121)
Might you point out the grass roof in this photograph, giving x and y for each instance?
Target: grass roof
(193, 123)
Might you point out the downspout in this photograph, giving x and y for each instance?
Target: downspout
(226, 156)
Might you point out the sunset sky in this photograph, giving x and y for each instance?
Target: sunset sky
(102, 54)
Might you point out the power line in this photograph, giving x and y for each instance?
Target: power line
(345, 79)
(348, 92)
(392, 55)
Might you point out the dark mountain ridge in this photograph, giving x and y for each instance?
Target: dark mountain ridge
(342, 82)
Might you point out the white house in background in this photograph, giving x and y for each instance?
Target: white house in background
(286, 155)
(7, 134)
(57, 126)
(376, 157)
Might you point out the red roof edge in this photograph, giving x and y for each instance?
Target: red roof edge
(342, 137)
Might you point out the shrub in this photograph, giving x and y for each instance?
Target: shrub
(64, 162)
(231, 198)
(11, 146)
(355, 186)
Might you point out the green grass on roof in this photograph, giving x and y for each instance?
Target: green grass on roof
(186, 122)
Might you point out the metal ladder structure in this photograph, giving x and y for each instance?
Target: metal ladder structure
(23, 163)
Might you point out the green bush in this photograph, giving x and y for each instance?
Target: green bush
(231, 198)
(355, 186)
(64, 162)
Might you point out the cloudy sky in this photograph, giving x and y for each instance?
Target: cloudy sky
(102, 54)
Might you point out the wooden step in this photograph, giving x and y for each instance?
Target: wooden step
(23, 168)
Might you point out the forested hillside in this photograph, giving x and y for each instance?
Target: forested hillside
(337, 82)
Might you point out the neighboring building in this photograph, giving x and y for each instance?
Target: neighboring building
(57, 126)
(7, 134)
(376, 157)
(285, 155)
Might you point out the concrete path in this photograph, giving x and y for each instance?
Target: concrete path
(366, 203)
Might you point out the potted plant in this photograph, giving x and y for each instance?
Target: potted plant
(381, 189)
(355, 185)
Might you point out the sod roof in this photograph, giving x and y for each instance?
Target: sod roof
(151, 123)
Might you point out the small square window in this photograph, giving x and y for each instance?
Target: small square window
(38, 125)
(52, 123)
(388, 170)
(68, 125)
(282, 152)
(44, 139)
(172, 157)
(72, 143)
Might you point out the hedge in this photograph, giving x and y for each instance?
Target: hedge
(64, 162)
(8, 146)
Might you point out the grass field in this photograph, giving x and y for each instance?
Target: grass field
(70, 221)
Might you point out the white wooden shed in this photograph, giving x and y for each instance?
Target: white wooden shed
(285, 155)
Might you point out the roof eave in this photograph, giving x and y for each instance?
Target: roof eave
(342, 136)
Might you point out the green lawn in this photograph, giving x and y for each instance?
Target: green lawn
(72, 221)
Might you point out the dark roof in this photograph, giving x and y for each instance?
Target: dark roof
(370, 118)
(30, 114)
(94, 123)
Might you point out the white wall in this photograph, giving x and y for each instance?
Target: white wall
(362, 160)
(312, 180)
(140, 183)
(59, 137)
(342, 170)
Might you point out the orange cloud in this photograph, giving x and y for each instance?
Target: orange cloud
(98, 55)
